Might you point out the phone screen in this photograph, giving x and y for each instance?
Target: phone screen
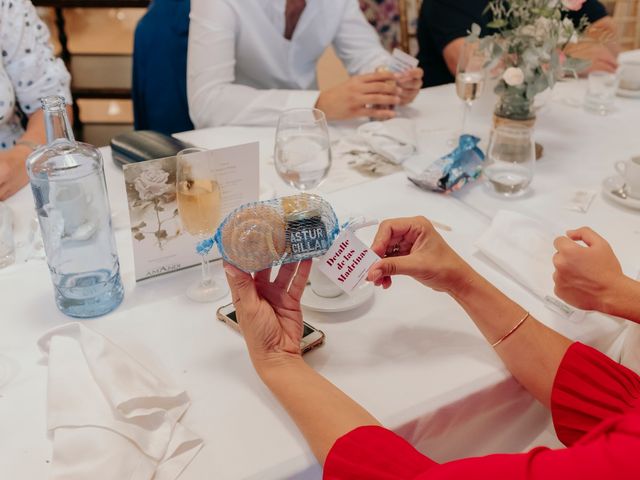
(307, 330)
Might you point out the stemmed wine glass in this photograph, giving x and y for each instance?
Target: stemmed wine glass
(303, 151)
(470, 75)
(199, 205)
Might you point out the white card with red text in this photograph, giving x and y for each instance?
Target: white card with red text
(347, 262)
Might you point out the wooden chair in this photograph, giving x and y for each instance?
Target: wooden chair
(626, 14)
(409, 11)
(93, 76)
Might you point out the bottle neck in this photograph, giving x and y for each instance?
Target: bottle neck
(57, 125)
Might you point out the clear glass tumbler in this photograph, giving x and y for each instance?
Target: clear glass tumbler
(510, 160)
(601, 91)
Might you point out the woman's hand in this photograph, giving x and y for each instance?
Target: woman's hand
(586, 276)
(411, 246)
(269, 313)
(410, 82)
(13, 172)
(361, 96)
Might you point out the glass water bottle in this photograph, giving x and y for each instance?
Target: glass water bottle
(67, 179)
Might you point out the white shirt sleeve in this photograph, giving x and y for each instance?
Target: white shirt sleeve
(214, 98)
(28, 58)
(357, 43)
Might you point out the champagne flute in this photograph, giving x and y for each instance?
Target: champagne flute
(199, 205)
(470, 76)
(303, 151)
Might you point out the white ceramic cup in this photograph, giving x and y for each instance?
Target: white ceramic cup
(630, 75)
(321, 285)
(630, 171)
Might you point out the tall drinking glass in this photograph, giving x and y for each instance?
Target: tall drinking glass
(199, 205)
(470, 76)
(601, 91)
(511, 160)
(303, 150)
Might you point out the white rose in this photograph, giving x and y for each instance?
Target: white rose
(513, 76)
(152, 183)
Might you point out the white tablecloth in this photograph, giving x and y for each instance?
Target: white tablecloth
(410, 356)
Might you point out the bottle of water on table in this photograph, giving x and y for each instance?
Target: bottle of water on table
(67, 180)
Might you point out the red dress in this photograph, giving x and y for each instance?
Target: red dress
(595, 405)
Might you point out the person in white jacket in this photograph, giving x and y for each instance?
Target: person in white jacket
(249, 60)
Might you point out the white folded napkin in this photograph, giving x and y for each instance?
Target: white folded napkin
(109, 416)
(394, 139)
(522, 247)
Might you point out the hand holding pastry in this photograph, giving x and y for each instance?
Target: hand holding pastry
(269, 313)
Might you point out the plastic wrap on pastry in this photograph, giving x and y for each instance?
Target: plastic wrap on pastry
(455, 170)
(266, 234)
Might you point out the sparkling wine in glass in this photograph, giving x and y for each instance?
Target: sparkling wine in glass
(199, 205)
(303, 150)
(470, 76)
(469, 86)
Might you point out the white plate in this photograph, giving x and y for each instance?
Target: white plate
(342, 303)
(623, 92)
(614, 183)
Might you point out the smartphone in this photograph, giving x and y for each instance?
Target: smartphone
(311, 337)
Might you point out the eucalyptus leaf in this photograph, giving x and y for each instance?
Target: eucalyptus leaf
(497, 23)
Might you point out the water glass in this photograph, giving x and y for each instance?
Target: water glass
(510, 160)
(630, 77)
(303, 150)
(7, 252)
(601, 91)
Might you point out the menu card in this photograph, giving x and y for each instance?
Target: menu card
(160, 243)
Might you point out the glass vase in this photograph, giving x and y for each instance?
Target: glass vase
(516, 111)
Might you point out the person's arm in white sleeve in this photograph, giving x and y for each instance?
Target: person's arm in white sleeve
(357, 43)
(214, 98)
